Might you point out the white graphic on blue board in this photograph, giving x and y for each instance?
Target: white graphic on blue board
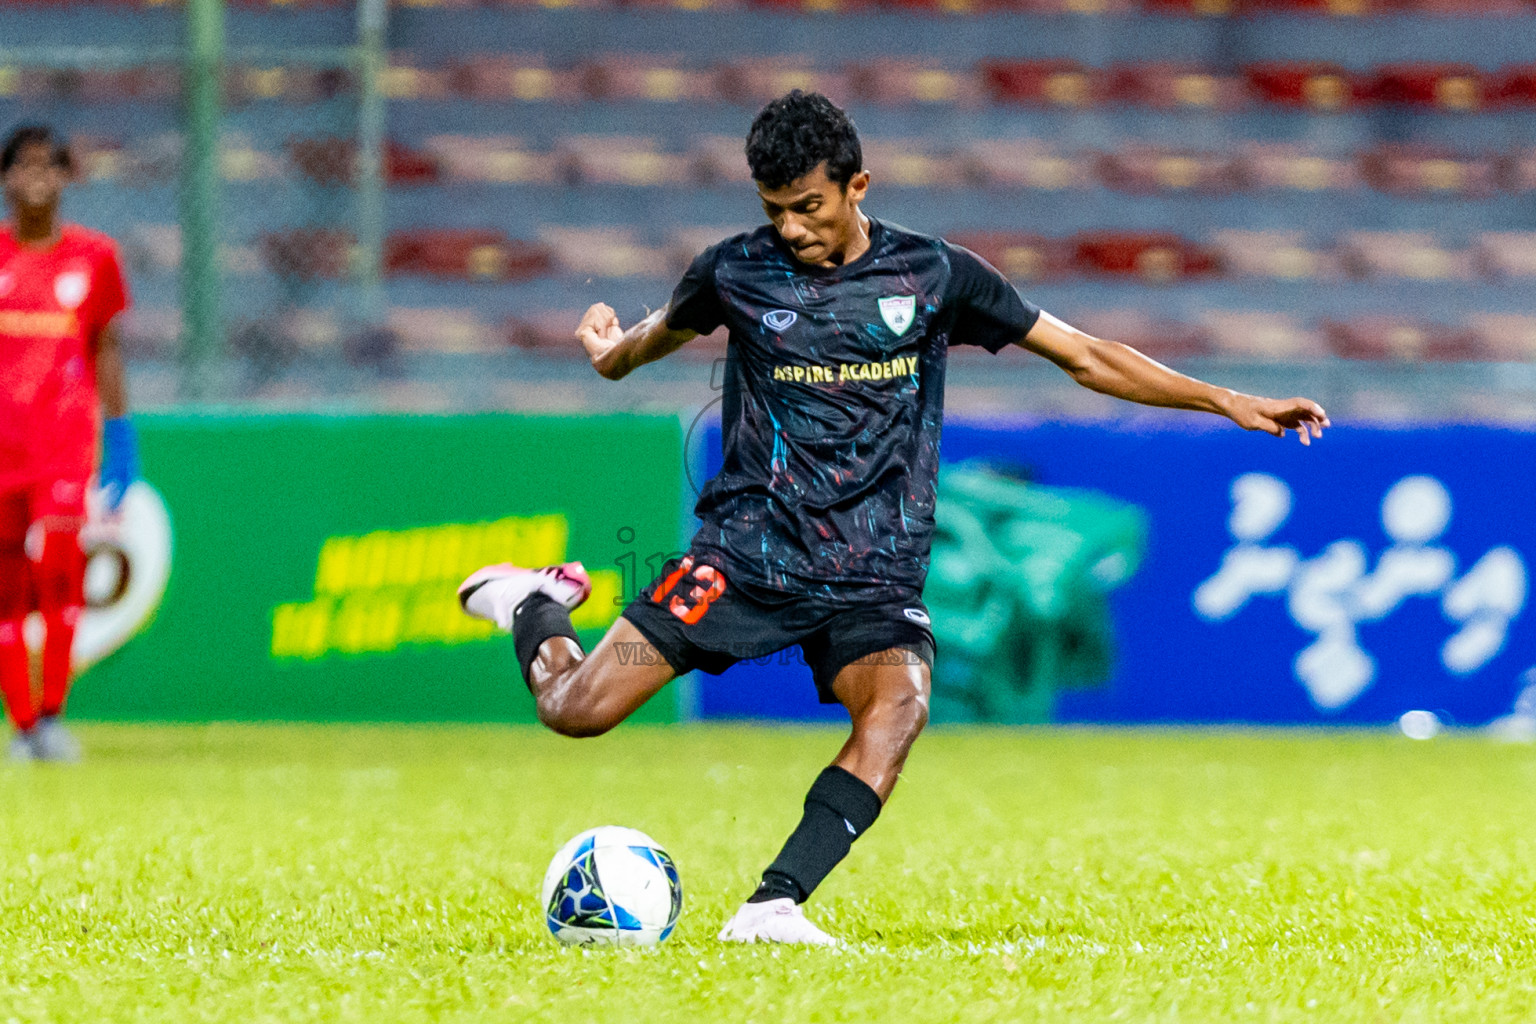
(1330, 594)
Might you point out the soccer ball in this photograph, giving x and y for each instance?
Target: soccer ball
(611, 886)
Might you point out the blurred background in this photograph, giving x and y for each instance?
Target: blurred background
(405, 206)
(384, 210)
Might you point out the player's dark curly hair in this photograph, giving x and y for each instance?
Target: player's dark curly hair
(35, 135)
(794, 133)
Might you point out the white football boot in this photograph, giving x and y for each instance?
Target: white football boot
(52, 742)
(495, 592)
(23, 746)
(779, 920)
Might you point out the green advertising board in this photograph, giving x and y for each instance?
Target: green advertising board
(315, 559)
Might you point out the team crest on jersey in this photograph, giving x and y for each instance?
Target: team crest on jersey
(898, 312)
(780, 319)
(70, 288)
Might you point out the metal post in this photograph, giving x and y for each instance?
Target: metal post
(202, 333)
(372, 23)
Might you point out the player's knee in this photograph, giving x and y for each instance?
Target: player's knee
(576, 707)
(898, 717)
(576, 722)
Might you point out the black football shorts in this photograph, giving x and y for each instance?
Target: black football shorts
(698, 619)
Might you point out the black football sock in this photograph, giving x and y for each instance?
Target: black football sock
(838, 809)
(537, 619)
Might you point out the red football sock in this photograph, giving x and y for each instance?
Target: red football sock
(16, 674)
(60, 581)
(15, 667)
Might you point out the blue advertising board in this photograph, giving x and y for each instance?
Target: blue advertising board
(1377, 571)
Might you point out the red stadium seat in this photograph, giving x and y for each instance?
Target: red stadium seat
(718, 160)
(757, 80)
(1336, 8)
(1062, 83)
(1146, 170)
(604, 252)
(819, 6)
(1517, 171)
(475, 254)
(1158, 257)
(448, 331)
(625, 77)
(1312, 86)
(1078, 7)
(904, 162)
(619, 160)
(1505, 337)
(406, 166)
(548, 332)
(1278, 255)
(1027, 163)
(1408, 255)
(912, 83)
(324, 161)
(1416, 171)
(1507, 255)
(405, 80)
(1158, 338)
(316, 84)
(1467, 8)
(1517, 86)
(1204, 8)
(1264, 166)
(1020, 256)
(496, 159)
(501, 77)
(1446, 86)
(1264, 336)
(1169, 86)
(332, 161)
(1388, 338)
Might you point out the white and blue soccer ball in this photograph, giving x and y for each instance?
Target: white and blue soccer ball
(611, 886)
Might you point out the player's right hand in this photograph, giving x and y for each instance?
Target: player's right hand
(599, 332)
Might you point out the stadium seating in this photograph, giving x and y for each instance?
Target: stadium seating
(1231, 179)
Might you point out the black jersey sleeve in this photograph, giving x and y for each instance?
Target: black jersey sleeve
(695, 304)
(989, 310)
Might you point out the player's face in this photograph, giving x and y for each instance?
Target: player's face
(817, 217)
(35, 181)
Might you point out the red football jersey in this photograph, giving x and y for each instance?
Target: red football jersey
(54, 301)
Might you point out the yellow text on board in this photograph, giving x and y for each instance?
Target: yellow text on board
(378, 592)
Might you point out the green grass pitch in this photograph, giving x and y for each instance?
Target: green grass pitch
(310, 873)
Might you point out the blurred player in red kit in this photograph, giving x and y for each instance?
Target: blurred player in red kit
(61, 393)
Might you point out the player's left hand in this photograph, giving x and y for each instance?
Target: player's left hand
(599, 332)
(1280, 416)
(119, 460)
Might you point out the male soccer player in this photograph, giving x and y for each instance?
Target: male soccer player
(60, 290)
(817, 529)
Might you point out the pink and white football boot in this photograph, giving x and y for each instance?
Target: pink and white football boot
(495, 592)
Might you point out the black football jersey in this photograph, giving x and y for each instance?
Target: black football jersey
(833, 402)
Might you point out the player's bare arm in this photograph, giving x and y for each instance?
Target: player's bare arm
(615, 352)
(109, 374)
(1120, 371)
